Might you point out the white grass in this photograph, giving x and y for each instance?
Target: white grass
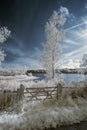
(53, 113)
(49, 113)
(13, 82)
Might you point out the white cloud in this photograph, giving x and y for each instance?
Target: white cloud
(77, 40)
(84, 21)
(71, 64)
(86, 6)
(64, 11)
(72, 59)
(71, 42)
(30, 63)
(76, 53)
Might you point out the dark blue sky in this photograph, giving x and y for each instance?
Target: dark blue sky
(26, 20)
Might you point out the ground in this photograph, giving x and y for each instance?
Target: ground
(70, 108)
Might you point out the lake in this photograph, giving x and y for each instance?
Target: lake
(67, 77)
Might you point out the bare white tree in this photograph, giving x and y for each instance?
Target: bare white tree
(84, 66)
(51, 48)
(4, 34)
(84, 61)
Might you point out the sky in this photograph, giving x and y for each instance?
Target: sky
(27, 18)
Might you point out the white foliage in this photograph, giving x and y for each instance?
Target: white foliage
(11, 85)
(41, 115)
(49, 113)
(52, 50)
(13, 82)
(84, 65)
(18, 71)
(84, 61)
(4, 34)
(2, 56)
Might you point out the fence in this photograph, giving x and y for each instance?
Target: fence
(10, 98)
(42, 93)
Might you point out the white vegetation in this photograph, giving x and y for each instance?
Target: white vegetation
(2, 56)
(18, 71)
(49, 113)
(84, 65)
(52, 50)
(12, 83)
(45, 114)
(12, 72)
(4, 34)
(84, 61)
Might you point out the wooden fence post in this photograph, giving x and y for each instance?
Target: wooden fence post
(5, 98)
(20, 92)
(59, 90)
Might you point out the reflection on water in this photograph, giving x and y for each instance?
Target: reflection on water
(67, 77)
(81, 126)
(73, 77)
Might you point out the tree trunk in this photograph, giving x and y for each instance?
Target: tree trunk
(53, 65)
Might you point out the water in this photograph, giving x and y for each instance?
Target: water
(73, 77)
(67, 77)
(40, 76)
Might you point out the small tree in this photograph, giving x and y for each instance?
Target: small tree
(84, 61)
(4, 34)
(51, 48)
(84, 65)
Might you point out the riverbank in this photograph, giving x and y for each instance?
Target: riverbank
(79, 126)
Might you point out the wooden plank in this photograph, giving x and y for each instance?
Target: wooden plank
(41, 95)
(41, 88)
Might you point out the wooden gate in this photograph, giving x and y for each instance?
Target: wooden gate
(42, 93)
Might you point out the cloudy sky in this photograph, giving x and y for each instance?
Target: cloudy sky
(26, 20)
